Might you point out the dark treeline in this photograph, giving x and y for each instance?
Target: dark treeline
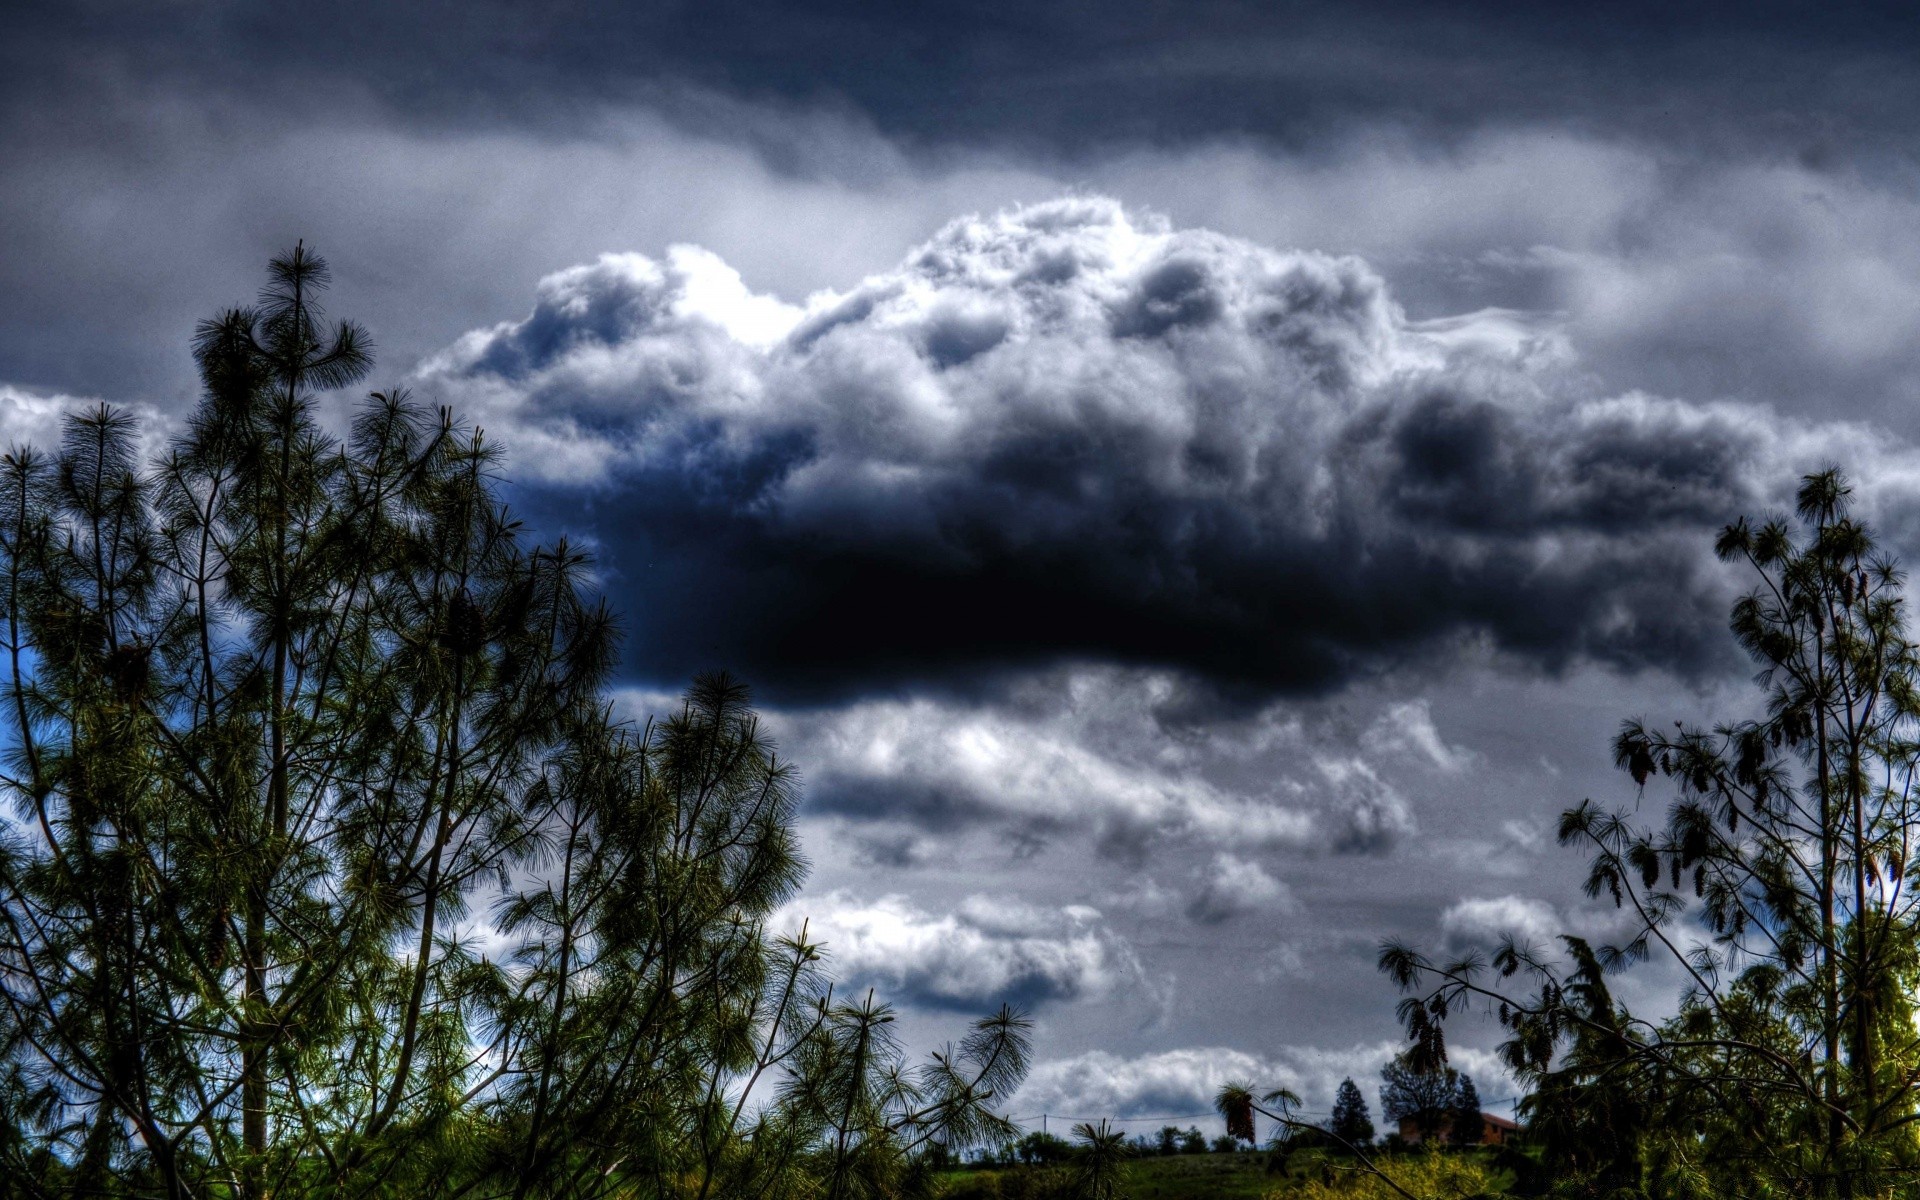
(329, 871)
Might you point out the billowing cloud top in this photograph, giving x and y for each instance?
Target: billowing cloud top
(1067, 432)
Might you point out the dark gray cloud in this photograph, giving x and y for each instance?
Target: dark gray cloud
(141, 201)
(1819, 80)
(894, 503)
(1066, 433)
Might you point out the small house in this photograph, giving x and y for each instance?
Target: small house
(1494, 1131)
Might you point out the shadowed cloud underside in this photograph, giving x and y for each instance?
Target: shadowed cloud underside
(1067, 431)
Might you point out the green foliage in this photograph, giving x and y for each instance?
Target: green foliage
(1425, 1175)
(1465, 1125)
(1038, 1147)
(1777, 883)
(1244, 1175)
(1098, 1168)
(331, 873)
(1351, 1122)
(1422, 1092)
(1173, 1140)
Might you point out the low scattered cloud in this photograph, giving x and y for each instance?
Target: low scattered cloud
(1406, 728)
(985, 952)
(1131, 757)
(1372, 814)
(1182, 1083)
(1232, 886)
(1484, 922)
(29, 417)
(1185, 1081)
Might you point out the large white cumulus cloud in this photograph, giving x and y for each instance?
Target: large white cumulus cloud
(1058, 317)
(1066, 429)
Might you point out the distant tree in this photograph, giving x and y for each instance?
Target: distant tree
(1236, 1102)
(1225, 1145)
(1169, 1140)
(1423, 1095)
(1042, 1148)
(1351, 1121)
(1468, 1125)
(1193, 1142)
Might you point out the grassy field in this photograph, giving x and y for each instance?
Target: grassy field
(1238, 1176)
(1224, 1175)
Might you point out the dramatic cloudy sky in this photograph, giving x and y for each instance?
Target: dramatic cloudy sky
(1195, 486)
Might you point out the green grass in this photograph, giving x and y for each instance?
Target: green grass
(1238, 1176)
(1227, 1176)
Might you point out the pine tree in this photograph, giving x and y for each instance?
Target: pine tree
(1468, 1126)
(1099, 1161)
(288, 716)
(1791, 1065)
(1351, 1121)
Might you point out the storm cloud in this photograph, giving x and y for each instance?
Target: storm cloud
(1048, 75)
(1157, 614)
(1066, 431)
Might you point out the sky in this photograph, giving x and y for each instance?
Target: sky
(1194, 487)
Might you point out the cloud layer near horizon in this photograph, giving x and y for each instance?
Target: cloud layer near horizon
(983, 953)
(1133, 760)
(1182, 1083)
(1069, 431)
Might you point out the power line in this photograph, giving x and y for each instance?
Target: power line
(1298, 1112)
(1173, 1117)
(1117, 1120)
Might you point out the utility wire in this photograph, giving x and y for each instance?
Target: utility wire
(1173, 1117)
(1302, 1112)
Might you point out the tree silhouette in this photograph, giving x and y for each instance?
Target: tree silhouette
(1236, 1102)
(1467, 1126)
(1418, 1092)
(1099, 1162)
(1351, 1122)
(1792, 1063)
(293, 720)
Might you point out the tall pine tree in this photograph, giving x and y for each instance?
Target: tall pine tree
(1776, 880)
(1351, 1122)
(1468, 1125)
(292, 719)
